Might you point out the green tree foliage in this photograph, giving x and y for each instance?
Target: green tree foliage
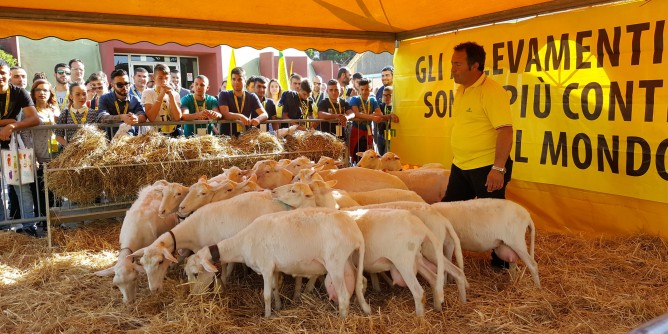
(8, 58)
(341, 58)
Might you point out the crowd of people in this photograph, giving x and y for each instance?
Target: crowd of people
(345, 104)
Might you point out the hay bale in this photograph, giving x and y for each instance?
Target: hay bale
(255, 141)
(314, 144)
(77, 183)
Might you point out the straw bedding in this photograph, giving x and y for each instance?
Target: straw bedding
(128, 163)
(607, 285)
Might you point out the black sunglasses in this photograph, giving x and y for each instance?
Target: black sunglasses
(63, 72)
(122, 84)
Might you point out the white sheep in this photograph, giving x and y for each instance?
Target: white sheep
(442, 229)
(384, 196)
(298, 164)
(327, 163)
(172, 195)
(326, 240)
(429, 183)
(214, 222)
(488, 223)
(233, 173)
(393, 239)
(270, 175)
(370, 159)
(390, 162)
(141, 226)
(355, 179)
(202, 193)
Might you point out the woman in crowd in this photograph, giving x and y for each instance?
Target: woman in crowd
(43, 141)
(274, 90)
(76, 113)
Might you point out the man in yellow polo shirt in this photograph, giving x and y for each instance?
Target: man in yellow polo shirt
(482, 133)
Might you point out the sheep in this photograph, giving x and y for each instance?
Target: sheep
(392, 240)
(385, 195)
(326, 163)
(202, 193)
(489, 223)
(328, 197)
(429, 183)
(442, 229)
(214, 222)
(390, 162)
(308, 175)
(172, 195)
(370, 159)
(356, 179)
(270, 175)
(141, 226)
(233, 173)
(282, 133)
(298, 164)
(326, 240)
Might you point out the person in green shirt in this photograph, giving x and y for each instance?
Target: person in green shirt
(199, 106)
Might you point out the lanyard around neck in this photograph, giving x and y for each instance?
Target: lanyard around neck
(9, 88)
(83, 119)
(367, 107)
(197, 106)
(337, 110)
(243, 101)
(118, 110)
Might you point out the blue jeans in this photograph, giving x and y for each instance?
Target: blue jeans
(25, 199)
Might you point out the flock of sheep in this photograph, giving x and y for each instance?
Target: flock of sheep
(306, 219)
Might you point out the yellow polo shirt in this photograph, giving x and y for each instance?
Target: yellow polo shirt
(477, 112)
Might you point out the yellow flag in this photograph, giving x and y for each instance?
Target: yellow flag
(282, 73)
(233, 64)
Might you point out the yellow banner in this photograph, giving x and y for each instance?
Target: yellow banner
(587, 92)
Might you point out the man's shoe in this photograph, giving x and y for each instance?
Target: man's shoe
(498, 263)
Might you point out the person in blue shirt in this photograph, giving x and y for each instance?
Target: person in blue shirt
(366, 110)
(239, 105)
(119, 105)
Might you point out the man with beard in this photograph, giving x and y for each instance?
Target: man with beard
(19, 77)
(62, 73)
(343, 77)
(387, 77)
(120, 106)
(297, 105)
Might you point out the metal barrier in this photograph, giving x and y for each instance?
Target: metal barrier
(33, 208)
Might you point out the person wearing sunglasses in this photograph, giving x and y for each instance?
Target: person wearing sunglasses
(119, 105)
(62, 73)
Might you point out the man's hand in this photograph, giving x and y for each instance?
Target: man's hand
(254, 122)
(210, 114)
(494, 181)
(129, 119)
(244, 120)
(342, 120)
(394, 118)
(6, 131)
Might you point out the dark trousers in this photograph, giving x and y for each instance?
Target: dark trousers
(14, 206)
(469, 184)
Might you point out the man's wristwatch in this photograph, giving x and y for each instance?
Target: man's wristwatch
(501, 170)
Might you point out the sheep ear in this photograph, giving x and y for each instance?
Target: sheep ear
(169, 255)
(317, 169)
(359, 154)
(106, 272)
(138, 268)
(138, 253)
(252, 178)
(202, 178)
(331, 183)
(208, 266)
